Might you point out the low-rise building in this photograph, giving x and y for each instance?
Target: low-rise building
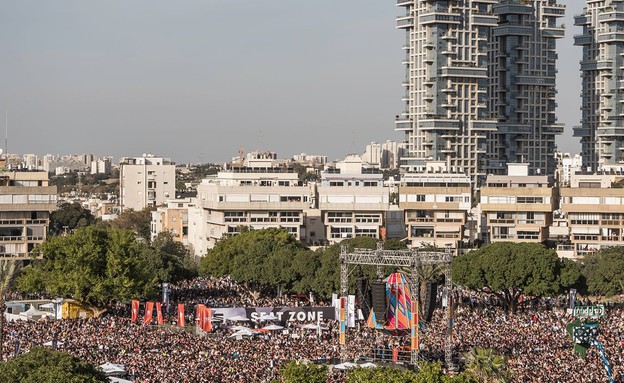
(436, 206)
(518, 207)
(258, 198)
(173, 218)
(594, 212)
(352, 200)
(26, 202)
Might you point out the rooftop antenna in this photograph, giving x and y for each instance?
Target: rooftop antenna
(6, 135)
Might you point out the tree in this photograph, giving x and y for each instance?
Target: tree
(45, 365)
(7, 272)
(427, 373)
(486, 366)
(139, 222)
(258, 258)
(95, 266)
(604, 271)
(68, 217)
(295, 372)
(509, 270)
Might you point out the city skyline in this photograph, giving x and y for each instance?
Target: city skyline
(123, 79)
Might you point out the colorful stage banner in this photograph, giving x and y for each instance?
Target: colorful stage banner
(181, 321)
(149, 309)
(207, 323)
(135, 311)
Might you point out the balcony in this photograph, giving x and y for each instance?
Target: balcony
(405, 22)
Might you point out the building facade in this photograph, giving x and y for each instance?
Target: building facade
(522, 61)
(352, 200)
(602, 121)
(518, 207)
(446, 83)
(257, 198)
(26, 202)
(436, 206)
(146, 181)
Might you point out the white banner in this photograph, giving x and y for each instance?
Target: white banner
(351, 311)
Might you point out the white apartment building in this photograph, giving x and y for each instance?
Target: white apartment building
(258, 198)
(26, 202)
(101, 166)
(436, 205)
(352, 200)
(146, 181)
(518, 207)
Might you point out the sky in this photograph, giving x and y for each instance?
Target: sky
(197, 80)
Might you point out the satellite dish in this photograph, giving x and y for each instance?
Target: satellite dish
(1, 151)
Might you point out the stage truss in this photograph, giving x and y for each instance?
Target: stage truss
(408, 260)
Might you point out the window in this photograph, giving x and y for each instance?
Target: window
(530, 200)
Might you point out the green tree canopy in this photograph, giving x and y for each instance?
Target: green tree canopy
(260, 258)
(138, 221)
(509, 270)
(427, 373)
(97, 266)
(295, 372)
(486, 366)
(43, 365)
(68, 217)
(604, 271)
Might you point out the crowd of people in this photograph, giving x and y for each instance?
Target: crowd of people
(534, 340)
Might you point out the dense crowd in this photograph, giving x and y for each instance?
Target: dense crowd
(535, 341)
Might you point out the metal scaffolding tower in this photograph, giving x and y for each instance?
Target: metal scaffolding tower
(407, 259)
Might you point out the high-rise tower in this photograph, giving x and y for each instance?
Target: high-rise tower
(480, 78)
(522, 72)
(602, 121)
(446, 83)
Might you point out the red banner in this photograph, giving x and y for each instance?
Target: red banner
(199, 315)
(135, 311)
(149, 308)
(159, 315)
(181, 321)
(207, 323)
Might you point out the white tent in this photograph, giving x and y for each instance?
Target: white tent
(345, 365)
(238, 328)
(113, 369)
(273, 327)
(368, 365)
(238, 318)
(242, 333)
(33, 314)
(119, 380)
(51, 343)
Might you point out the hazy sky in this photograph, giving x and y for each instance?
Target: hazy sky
(195, 80)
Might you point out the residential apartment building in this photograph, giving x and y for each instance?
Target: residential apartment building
(602, 121)
(173, 218)
(436, 205)
(446, 115)
(522, 59)
(254, 197)
(352, 200)
(518, 207)
(26, 202)
(146, 181)
(594, 212)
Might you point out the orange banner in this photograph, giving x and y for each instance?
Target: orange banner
(181, 321)
(159, 315)
(207, 320)
(199, 315)
(149, 309)
(135, 311)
